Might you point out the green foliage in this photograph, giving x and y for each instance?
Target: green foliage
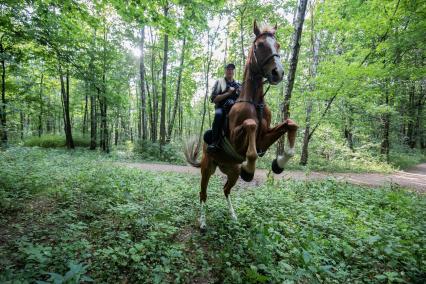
(55, 141)
(75, 215)
(74, 275)
(404, 157)
(150, 151)
(329, 152)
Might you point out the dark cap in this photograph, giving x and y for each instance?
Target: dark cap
(230, 66)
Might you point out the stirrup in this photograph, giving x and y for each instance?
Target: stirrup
(213, 148)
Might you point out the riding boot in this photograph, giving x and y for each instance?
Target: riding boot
(216, 129)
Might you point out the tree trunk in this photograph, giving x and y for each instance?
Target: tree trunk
(243, 56)
(40, 115)
(93, 121)
(65, 89)
(104, 143)
(144, 130)
(411, 132)
(385, 145)
(21, 124)
(102, 96)
(419, 125)
(68, 129)
(210, 43)
(180, 119)
(49, 119)
(150, 107)
(348, 127)
(116, 131)
(305, 149)
(178, 87)
(315, 45)
(225, 56)
(154, 93)
(3, 99)
(297, 35)
(84, 130)
(164, 86)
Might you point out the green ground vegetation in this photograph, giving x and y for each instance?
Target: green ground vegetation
(333, 156)
(72, 216)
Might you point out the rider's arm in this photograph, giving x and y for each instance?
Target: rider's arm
(220, 97)
(216, 97)
(214, 93)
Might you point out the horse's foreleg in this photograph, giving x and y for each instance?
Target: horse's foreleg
(249, 166)
(207, 169)
(279, 164)
(272, 135)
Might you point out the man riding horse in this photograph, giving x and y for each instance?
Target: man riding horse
(248, 129)
(225, 93)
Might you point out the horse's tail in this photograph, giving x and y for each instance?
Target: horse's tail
(191, 151)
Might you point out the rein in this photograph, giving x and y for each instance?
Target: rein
(267, 59)
(259, 66)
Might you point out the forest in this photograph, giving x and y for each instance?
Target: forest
(99, 98)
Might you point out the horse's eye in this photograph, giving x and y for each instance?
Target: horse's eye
(278, 46)
(260, 44)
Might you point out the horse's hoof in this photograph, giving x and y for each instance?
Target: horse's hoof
(246, 176)
(275, 168)
(203, 230)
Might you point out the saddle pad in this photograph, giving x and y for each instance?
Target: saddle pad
(225, 146)
(230, 151)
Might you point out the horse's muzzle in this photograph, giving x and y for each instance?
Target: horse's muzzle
(276, 75)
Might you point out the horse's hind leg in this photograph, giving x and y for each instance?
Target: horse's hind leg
(207, 169)
(232, 174)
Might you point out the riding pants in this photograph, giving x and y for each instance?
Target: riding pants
(219, 119)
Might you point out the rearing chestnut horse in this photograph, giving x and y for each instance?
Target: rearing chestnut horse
(249, 122)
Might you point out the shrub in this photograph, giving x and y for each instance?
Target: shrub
(55, 141)
(404, 157)
(150, 151)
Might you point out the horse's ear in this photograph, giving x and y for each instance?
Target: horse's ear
(256, 30)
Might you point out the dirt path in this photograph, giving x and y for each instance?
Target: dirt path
(414, 178)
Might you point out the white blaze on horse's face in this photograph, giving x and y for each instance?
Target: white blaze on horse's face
(274, 69)
(265, 53)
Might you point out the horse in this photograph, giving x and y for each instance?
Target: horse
(249, 120)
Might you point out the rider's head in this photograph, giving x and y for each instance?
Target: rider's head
(229, 71)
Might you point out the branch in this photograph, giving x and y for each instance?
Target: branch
(382, 37)
(325, 111)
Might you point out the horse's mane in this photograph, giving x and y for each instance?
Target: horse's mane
(265, 28)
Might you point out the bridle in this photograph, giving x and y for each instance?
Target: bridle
(261, 64)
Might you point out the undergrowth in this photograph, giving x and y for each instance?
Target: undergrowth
(74, 217)
(333, 156)
(55, 141)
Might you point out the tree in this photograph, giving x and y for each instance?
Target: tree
(178, 91)
(297, 34)
(315, 46)
(164, 82)
(143, 123)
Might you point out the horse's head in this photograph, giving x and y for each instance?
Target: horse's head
(265, 60)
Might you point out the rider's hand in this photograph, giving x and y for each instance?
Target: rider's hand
(231, 90)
